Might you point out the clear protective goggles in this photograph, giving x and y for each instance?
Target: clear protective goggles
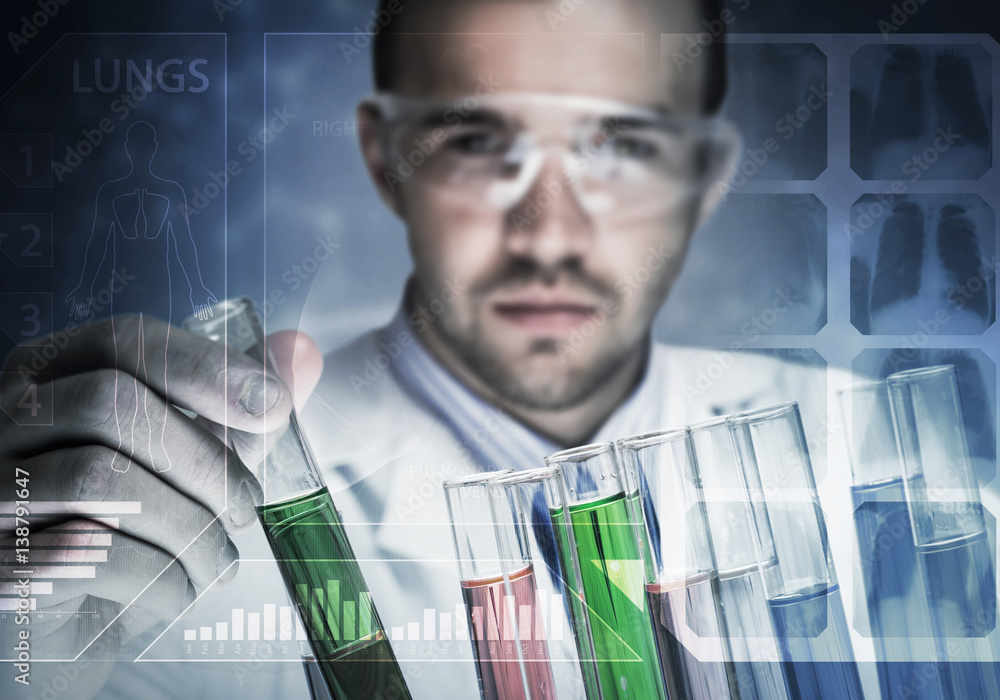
(620, 161)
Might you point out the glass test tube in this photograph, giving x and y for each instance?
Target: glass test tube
(557, 625)
(949, 529)
(731, 524)
(682, 582)
(599, 516)
(493, 616)
(896, 612)
(310, 544)
(802, 590)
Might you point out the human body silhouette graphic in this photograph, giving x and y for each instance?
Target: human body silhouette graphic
(139, 222)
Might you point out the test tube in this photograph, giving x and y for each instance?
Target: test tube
(555, 631)
(491, 609)
(752, 639)
(599, 515)
(896, 612)
(681, 579)
(949, 529)
(309, 542)
(802, 589)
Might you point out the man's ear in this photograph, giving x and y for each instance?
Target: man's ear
(369, 135)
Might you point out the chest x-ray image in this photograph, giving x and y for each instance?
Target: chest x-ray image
(921, 111)
(925, 265)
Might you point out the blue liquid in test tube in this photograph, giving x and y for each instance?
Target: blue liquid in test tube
(895, 597)
(802, 590)
(952, 548)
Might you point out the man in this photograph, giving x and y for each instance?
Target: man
(532, 342)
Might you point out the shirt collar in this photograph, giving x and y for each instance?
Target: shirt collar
(495, 440)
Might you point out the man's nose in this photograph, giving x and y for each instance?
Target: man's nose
(549, 225)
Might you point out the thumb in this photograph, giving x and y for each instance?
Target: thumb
(298, 362)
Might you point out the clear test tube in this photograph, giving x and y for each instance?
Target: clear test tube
(896, 613)
(600, 514)
(544, 588)
(681, 580)
(802, 590)
(731, 524)
(492, 612)
(310, 543)
(949, 528)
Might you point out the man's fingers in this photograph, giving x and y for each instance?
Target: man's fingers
(201, 375)
(142, 574)
(109, 409)
(82, 483)
(251, 448)
(298, 362)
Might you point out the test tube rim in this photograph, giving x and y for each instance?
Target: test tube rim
(709, 423)
(907, 375)
(862, 385)
(525, 476)
(474, 479)
(641, 441)
(758, 415)
(580, 453)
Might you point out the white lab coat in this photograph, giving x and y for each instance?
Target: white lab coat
(384, 452)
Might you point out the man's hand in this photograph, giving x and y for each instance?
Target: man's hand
(118, 437)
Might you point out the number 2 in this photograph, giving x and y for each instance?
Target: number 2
(29, 250)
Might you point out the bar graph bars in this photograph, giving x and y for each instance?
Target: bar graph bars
(277, 623)
(446, 626)
(60, 553)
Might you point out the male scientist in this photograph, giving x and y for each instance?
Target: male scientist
(566, 166)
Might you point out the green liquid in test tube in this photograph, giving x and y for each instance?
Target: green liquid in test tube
(611, 572)
(311, 546)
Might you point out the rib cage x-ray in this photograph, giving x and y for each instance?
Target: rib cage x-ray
(921, 112)
(927, 259)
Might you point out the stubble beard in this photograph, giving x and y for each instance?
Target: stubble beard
(547, 377)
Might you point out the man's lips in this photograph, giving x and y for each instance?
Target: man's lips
(545, 315)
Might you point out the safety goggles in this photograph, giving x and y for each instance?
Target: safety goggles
(620, 161)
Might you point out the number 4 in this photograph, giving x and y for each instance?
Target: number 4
(30, 400)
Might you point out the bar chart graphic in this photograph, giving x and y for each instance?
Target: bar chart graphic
(60, 553)
(275, 623)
